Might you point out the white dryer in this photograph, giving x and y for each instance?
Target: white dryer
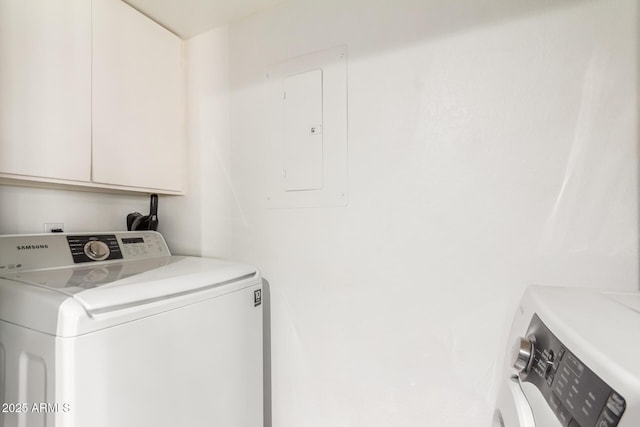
(575, 360)
(111, 330)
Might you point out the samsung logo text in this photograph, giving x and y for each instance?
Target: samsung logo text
(31, 247)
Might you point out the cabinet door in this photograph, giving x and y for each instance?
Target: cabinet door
(137, 99)
(45, 88)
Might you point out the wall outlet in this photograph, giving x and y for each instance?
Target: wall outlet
(53, 227)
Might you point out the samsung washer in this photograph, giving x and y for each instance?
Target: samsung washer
(573, 360)
(111, 330)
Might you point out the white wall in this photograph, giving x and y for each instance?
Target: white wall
(492, 144)
(200, 222)
(26, 209)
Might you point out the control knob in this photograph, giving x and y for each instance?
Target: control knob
(522, 354)
(96, 250)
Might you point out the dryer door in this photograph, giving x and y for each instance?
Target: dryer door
(512, 407)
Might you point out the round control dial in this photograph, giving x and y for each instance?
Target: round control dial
(522, 354)
(96, 250)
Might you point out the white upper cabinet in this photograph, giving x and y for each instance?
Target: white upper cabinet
(90, 96)
(137, 100)
(45, 88)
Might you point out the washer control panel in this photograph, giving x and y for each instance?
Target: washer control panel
(115, 246)
(577, 396)
(36, 251)
(86, 248)
(146, 245)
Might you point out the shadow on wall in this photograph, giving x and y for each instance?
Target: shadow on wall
(401, 24)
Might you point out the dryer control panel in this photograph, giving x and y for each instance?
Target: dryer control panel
(577, 396)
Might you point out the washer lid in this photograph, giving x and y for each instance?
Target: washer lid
(107, 288)
(71, 280)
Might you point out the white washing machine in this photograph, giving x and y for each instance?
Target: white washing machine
(111, 330)
(575, 360)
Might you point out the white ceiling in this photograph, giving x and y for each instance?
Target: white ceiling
(188, 18)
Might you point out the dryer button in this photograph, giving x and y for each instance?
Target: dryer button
(607, 419)
(616, 404)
